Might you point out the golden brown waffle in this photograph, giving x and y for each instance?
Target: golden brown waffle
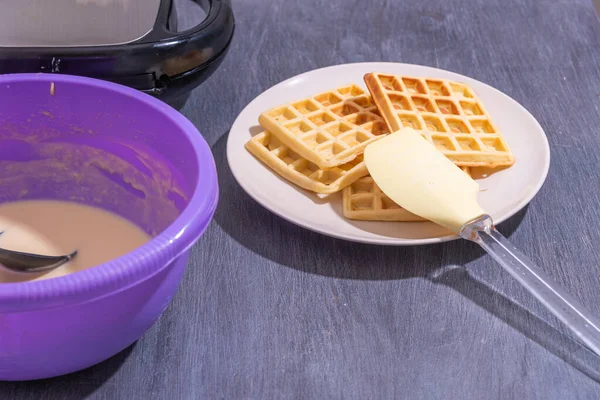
(329, 129)
(448, 114)
(363, 200)
(296, 169)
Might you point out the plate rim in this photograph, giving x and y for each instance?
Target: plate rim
(391, 241)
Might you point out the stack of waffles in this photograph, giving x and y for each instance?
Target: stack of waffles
(318, 142)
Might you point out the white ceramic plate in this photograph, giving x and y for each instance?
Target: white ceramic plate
(503, 194)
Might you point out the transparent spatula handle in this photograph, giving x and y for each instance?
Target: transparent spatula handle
(585, 326)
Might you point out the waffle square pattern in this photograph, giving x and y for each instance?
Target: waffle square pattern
(364, 200)
(448, 114)
(290, 165)
(329, 129)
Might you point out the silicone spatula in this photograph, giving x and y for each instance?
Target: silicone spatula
(411, 172)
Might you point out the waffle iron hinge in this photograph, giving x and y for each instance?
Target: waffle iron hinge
(148, 82)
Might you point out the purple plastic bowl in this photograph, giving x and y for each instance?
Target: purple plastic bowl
(113, 147)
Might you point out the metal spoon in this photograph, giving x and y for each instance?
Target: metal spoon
(17, 261)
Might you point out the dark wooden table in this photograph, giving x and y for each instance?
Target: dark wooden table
(268, 310)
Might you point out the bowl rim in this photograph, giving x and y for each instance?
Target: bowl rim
(142, 263)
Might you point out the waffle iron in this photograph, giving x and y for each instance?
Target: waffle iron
(131, 42)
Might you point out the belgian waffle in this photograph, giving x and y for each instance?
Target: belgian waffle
(298, 170)
(364, 200)
(448, 114)
(329, 129)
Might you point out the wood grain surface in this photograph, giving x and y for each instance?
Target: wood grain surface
(268, 310)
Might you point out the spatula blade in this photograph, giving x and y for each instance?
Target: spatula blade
(415, 175)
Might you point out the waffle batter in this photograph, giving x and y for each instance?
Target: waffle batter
(55, 228)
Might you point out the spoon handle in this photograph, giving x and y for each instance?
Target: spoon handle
(585, 326)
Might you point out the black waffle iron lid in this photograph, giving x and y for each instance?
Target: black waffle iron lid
(132, 42)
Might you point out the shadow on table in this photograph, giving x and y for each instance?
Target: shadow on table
(77, 385)
(558, 343)
(258, 229)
